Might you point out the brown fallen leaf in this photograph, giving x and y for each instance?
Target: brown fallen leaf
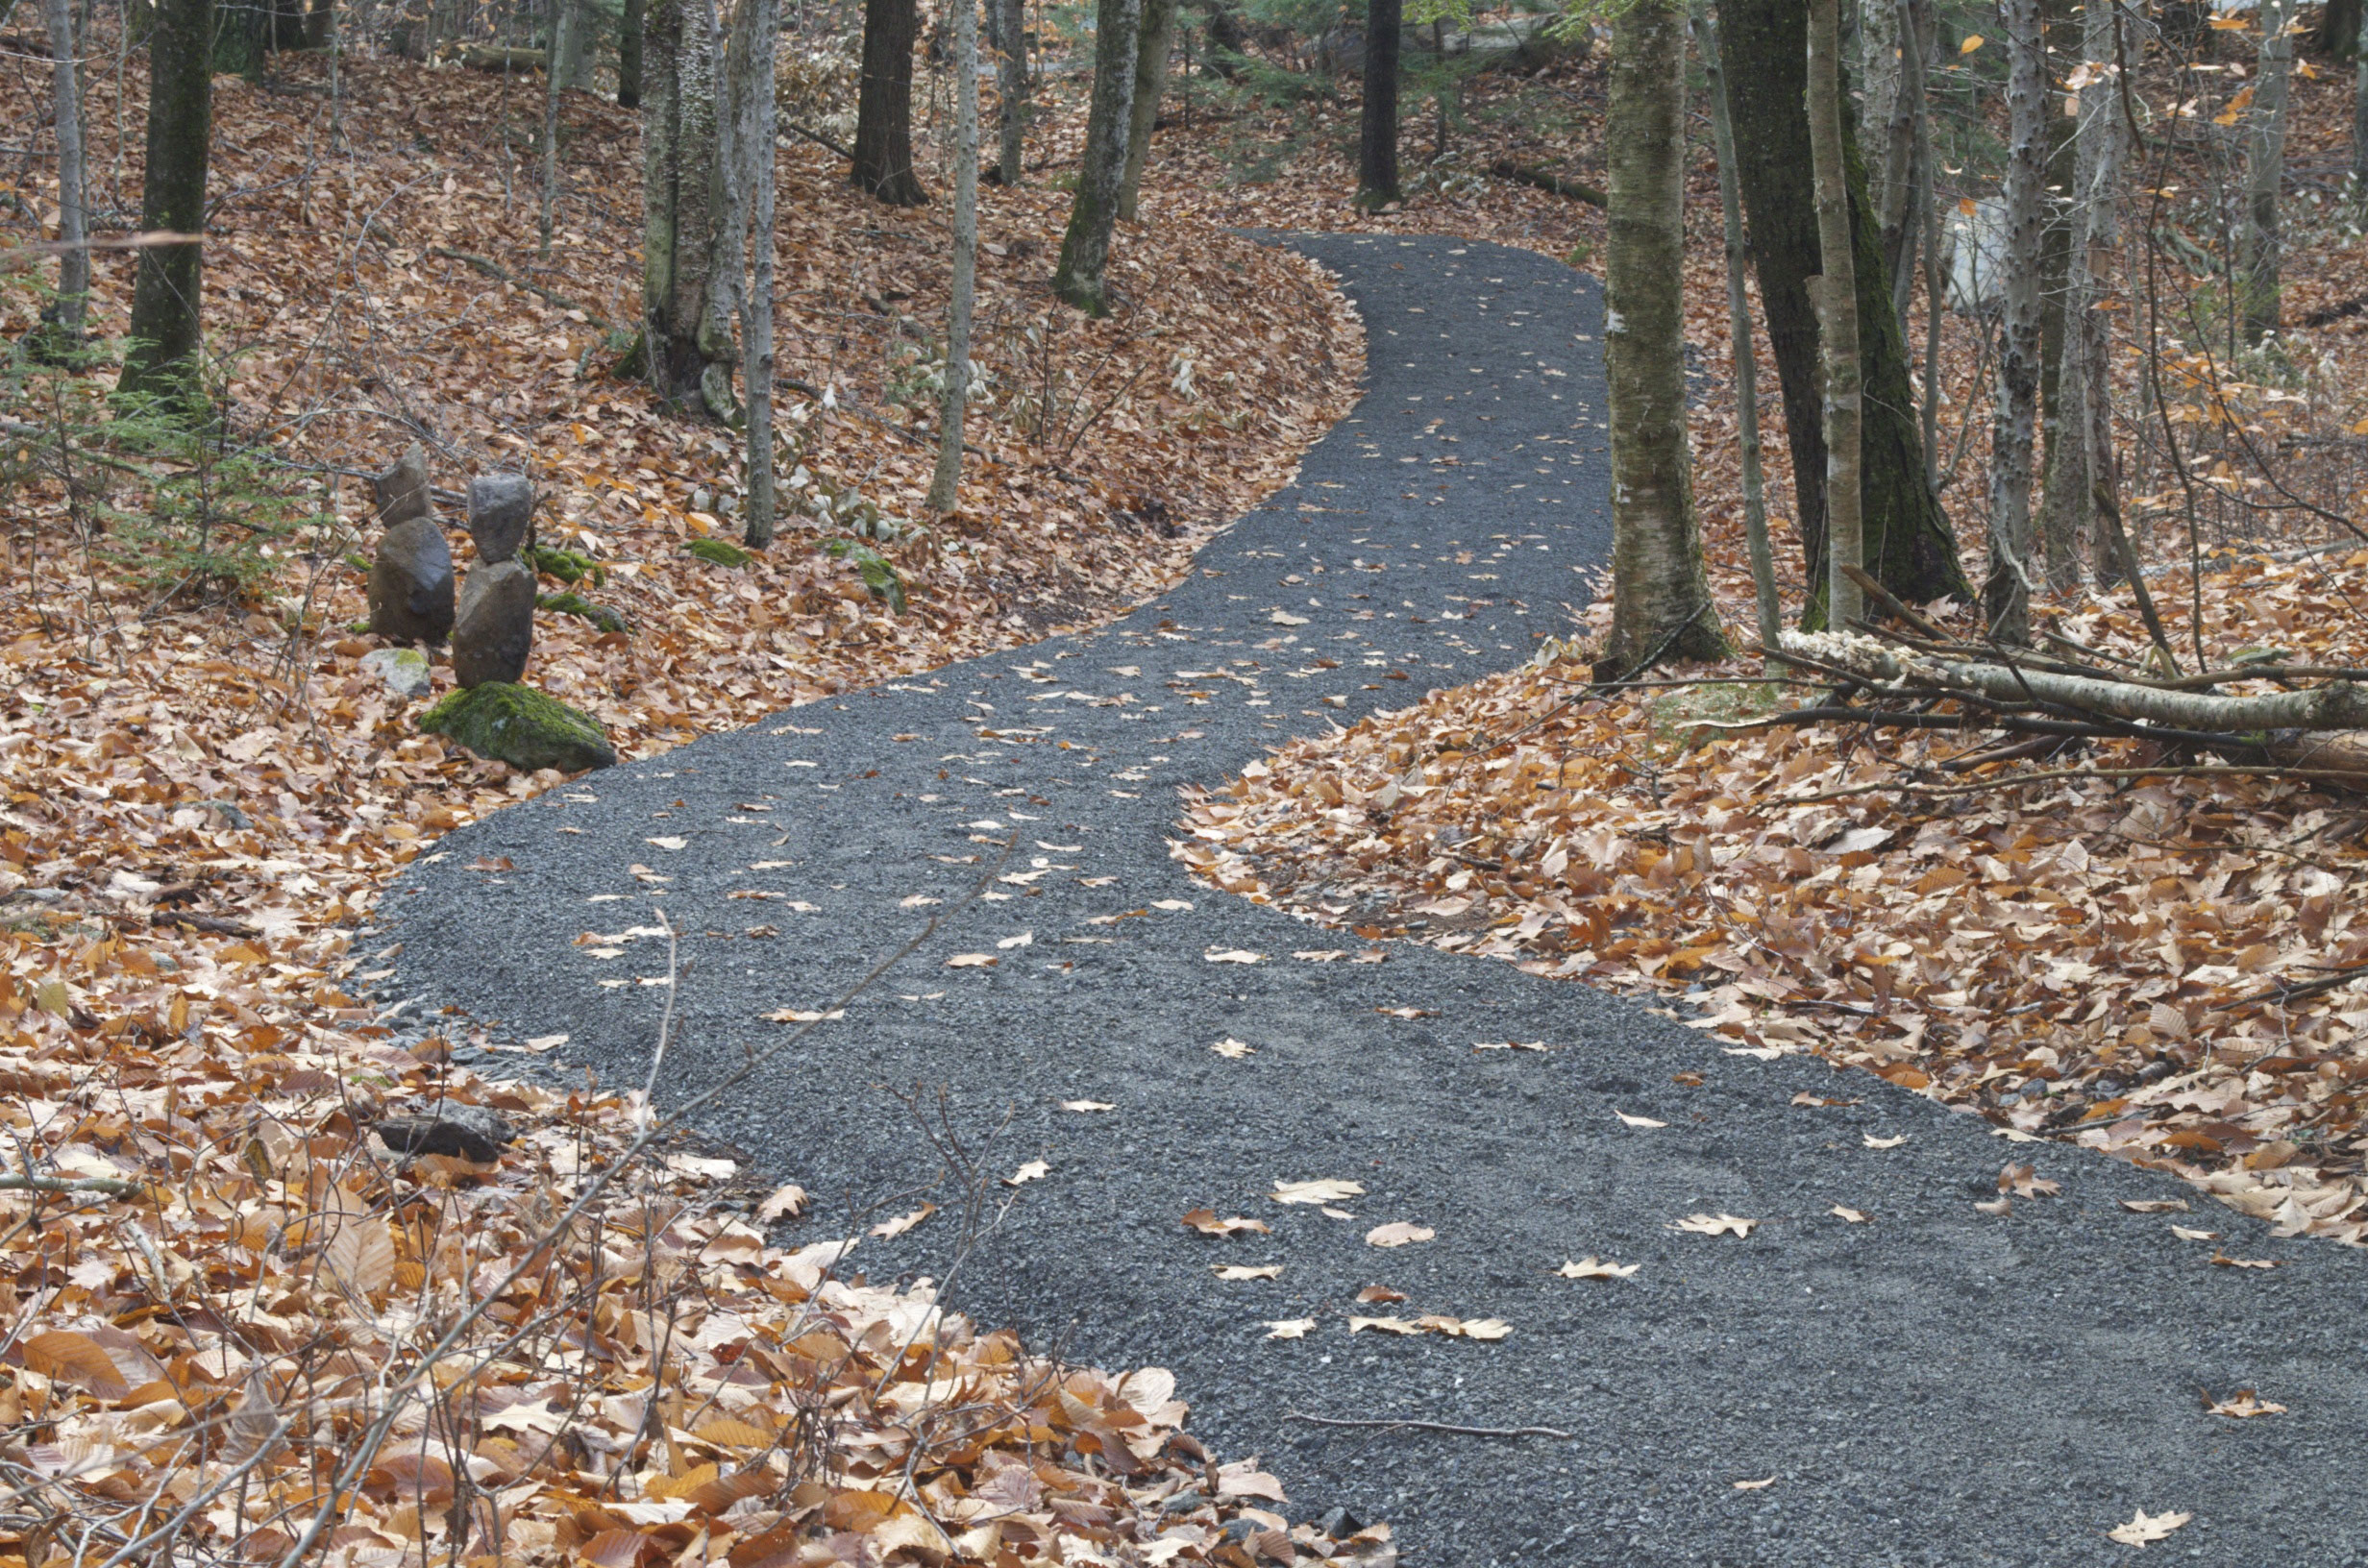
(1804, 1097)
(970, 961)
(1033, 1170)
(1397, 1233)
(2019, 1180)
(902, 1223)
(1234, 1050)
(2155, 1206)
(2147, 1527)
(1290, 1327)
(1755, 1486)
(2223, 1260)
(1206, 1222)
(1379, 1295)
(1856, 1216)
(2189, 1233)
(1997, 1205)
(1509, 1046)
(1233, 955)
(1385, 1325)
(1408, 1011)
(1246, 1272)
(1592, 1267)
(1720, 1224)
(785, 1202)
(2241, 1404)
(1323, 1190)
(1638, 1122)
(1874, 1142)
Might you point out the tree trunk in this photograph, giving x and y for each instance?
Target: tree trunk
(1739, 334)
(574, 29)
(1085, 248)
(1011, 86)
(757, 307)
(2081, 475)
(565, 22)
(1882, 48)
(629, 56)
(2265, 168)
(73, 220)
(678, 150)
(1150, 86)
(2338, 34)
(883, 155)
(1907, 542)
(166, 291)
(1903, 148)
(2062, 42)
(1836, 294)
(1377, 126)
(2006, 593)
(945, 487)
(1660, 600)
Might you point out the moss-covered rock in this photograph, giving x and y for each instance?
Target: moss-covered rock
(521, 727)
(719, 551)
(583, 608)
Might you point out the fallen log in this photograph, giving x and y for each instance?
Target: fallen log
(1546, 180)
(485, 56)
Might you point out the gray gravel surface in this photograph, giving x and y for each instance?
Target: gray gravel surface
(1937, 1387)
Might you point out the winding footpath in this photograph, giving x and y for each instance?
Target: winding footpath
(1938, 1385)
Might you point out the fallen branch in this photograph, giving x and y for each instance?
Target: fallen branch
(1546, 180)
(501, 274)
(1431, 1426)
(107, 1184)
(2008, 781)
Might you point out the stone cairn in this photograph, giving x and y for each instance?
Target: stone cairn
(411, 578)
(411, 588)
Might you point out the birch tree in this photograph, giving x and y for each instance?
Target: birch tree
(2265, 169)
(1101, 166)
(2005, 592)
(1836, 294)
(758, 155)
(1151, 51)
(73, 222)
(945, 487)
(167, 290)
(1661, 601)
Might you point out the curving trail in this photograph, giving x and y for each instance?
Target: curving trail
(1939, 1386)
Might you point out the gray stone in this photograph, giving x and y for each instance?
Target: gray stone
(501, 505)
(412, 583)
(466, 1131)
(404, 669)
(401, 493)
(521, 727)
(495, 630)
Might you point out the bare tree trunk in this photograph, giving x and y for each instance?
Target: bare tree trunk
(1881, 48)
(2057, 528)
(1739, 333)
(1661, 600)
(883, 161)
(2265, 168)
(945, 487)
(1150, 86)
(629, 56)
(1377, 184)
(167, 289)
(757, 307)
(2006, 594)
(73, 221)
(679, 216)
(1085, 247)
(573, 30)
(563, 24)
(2082, 476)
(1011, 85)
(1836, 293)
(1907, 143)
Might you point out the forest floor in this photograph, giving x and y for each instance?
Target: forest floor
(2094, 946)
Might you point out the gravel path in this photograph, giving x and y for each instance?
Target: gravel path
(1939, 1386)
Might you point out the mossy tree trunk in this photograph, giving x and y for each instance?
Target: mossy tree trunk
(1085, 246)
(883, 151)
(679, 151)
(1377, 184)
(1660, 600)
(1835, 292)
(1764, 45)
(629, 56)
(1151, 51)
(166, 293)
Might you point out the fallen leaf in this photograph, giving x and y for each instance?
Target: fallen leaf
(903, 1222)
(1033, 1170)
(1856, 1216)
(1330, 1213)
(1290, 1327)
(1397, 1233)
(1206, 1222)
(2224, 1261)
(1379, 1295)
(1233, 955)
(1483, 1328)
(1409, 1012)
(1874, 1142)
(1804, 1097)
(1592, 1268)
(2186, 1234)
(1023, 939)
(1321, 1190)
(1172, 904)
(2019, 1180)
(1246, 1272)
(1638, 1122)
(2242, 1404)
(2155, 1206)
(1234, 1049)
(2146, 1528)
(1509, 1046)
(1755, 1486)
(1998, 1206)
(668, 842)
(970, 961)
(1087, 1105)
(1385, 1325)
(546, 1042)
(786, 1202)
(1721, 1224)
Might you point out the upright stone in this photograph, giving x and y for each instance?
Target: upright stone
(401, 493)
(495, 630)
(501, 505)
(412, 583)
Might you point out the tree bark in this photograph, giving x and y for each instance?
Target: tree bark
(2338, 34)
(1739, 335)
(679, 151)
(1377, 184)
(1085, 247)
(2006, 593)
(1151, 53)
(2062, 43)
(2081, 474)
(566, 21)
(884, 153)
(946, 486)
(2265, 168)
(629, 56)
(73, 221)
(574, 26)
(1660, 600)
(756, 309)
(1836, 295)
(1907, 547)
(167, 289)
(1011, 86)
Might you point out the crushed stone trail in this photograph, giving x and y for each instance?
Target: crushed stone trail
(1937, 1387)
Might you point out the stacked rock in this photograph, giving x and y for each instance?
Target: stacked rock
(411, 577)
(494, 631)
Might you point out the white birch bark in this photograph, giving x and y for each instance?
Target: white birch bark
(946, 486)
(73, 216)
(1836, 293)
(757, 307)
(2007, 591)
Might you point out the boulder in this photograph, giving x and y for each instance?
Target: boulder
(464, 1132)
(412, 583)
(501, 505)
(404, 669)
(521, 727)
(495, 629)
(401, 493)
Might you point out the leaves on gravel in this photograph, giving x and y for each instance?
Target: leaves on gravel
(1398, 1233)
(2242, 1404)
(1719, 1224)
(2146, 1528)
(1592, 1268)
(1246, 1272)
(1206, 1222)
(1321, 1190)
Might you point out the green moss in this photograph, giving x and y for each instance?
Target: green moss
(566, 565)
(721, 551)
(576, 605)
(521, 727)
